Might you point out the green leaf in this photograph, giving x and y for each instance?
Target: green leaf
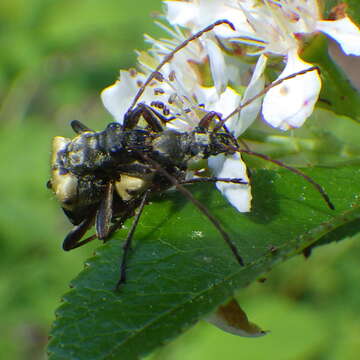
(180, 268)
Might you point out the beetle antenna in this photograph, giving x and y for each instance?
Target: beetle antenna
(317, 186)
(265, 90)
(222, 122)
(169, 56)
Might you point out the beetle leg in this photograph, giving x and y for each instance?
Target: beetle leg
(72, 240)
(79, 127)
(208, 118)
(104, 213)
(153, 118)
(127, 244)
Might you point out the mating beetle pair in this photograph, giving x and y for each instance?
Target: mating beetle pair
(106, 177)
(103, 177)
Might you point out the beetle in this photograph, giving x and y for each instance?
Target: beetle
(106, 177)
(99, 177)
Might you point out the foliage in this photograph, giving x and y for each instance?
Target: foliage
(176, 277)
(52, 67)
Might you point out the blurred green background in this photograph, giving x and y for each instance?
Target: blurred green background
(55, 58)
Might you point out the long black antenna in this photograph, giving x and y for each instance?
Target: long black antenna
(265, 90)
(169, 56)
(317, 186)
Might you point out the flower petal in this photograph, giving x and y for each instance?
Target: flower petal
(117, 97)
(238, 195)
(290, 103)
(198, 14)
(233, 319)
(345, 32)
(249, 113)
(222, 104)
(217, 65)
(180, 12)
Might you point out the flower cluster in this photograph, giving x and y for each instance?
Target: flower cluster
(202, 76)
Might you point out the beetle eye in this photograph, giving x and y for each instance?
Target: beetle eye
(113, 127)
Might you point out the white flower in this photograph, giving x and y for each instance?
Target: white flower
(273, 27)
(345, 32)
(290, 103)
(117, 97)
(197, 14)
